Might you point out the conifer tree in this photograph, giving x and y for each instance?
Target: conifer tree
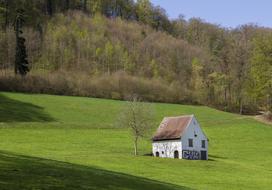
(49, 5)
(21, 62)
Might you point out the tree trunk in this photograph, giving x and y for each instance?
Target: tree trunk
(85, 5)
(136, 146)
(225, 99)
(229, 98)
(49, 7)
(6, 15)
(269, 102)
(67, 4)
(241, 106)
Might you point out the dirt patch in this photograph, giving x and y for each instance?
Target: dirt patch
(262, 119)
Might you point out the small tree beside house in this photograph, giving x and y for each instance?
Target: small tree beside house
(138, 118)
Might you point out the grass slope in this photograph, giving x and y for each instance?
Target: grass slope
(56, 142)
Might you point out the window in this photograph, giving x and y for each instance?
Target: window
(190, 142)
(203, 144)
(162, 152)
(195, 134)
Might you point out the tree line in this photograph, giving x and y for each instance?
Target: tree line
(198, 62)
(142, 10)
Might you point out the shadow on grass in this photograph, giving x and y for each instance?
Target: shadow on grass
(16, 111)
(23, 172)
(214, 157)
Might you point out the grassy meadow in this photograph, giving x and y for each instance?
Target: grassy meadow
(59, 142)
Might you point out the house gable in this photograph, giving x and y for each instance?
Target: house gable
(194, 142)
(193, 130)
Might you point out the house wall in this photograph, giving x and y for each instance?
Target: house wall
(194, 152)
(166, 149)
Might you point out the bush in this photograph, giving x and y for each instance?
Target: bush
(116, 86)
(268, 115)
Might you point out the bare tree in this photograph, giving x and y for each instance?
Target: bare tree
(137, 116)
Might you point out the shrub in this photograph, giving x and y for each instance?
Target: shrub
(116, 86)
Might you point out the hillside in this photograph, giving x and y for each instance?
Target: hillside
(114, 49)
(59, 142)
(109, 58)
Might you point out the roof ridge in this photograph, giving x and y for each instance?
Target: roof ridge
(192, 115)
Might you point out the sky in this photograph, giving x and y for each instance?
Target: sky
(227, 13)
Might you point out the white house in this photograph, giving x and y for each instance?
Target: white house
(180, 137)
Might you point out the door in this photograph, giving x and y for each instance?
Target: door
(203, 155)
(176, 154)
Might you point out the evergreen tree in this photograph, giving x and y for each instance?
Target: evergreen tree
(21, 62)
(6, 13)
(67, 4)
(84, 5)
(49, 5)
(3, 13)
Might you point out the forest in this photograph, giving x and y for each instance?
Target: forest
(117, 48)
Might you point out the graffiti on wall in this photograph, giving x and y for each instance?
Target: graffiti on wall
(190, 155)
(165, 149)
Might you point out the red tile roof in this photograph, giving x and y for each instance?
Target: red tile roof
(172, 128)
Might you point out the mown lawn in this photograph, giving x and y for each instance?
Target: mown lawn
(57, 142)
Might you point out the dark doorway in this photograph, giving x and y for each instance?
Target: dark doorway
(203, 155)
(176, 154)
(157, 154)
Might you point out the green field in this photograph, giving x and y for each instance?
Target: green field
(56, 142)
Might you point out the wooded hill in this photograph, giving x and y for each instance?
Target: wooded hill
(112, 49)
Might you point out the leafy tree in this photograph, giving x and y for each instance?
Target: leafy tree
(240, 55)
(197, 81)
(109, 50)
(160, 20)
(144, 12)
(261, 70)
(179, 27)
